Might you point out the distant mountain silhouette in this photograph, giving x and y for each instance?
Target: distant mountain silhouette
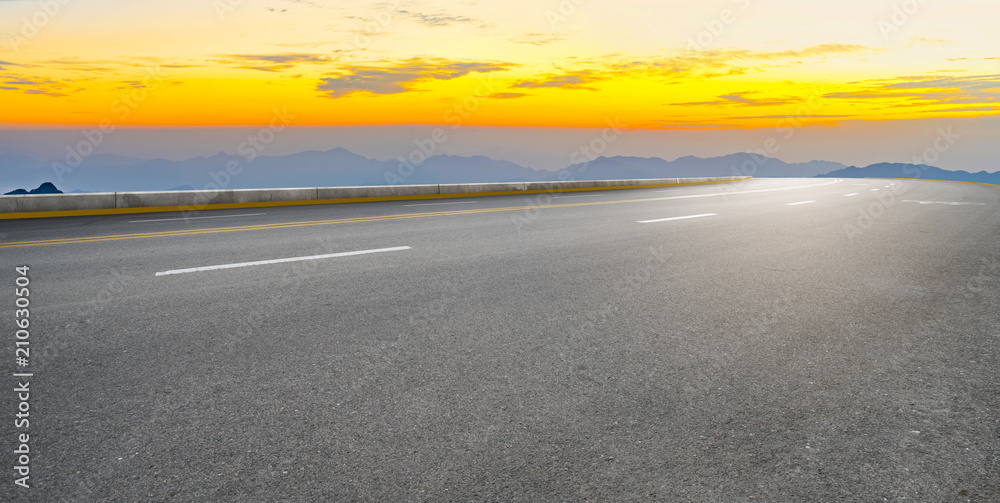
(45, 188)
(922, 171)
(341, 167)
(337, 167)
(742, 164)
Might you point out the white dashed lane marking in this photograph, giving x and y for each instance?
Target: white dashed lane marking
(677, 218)
(280, 261)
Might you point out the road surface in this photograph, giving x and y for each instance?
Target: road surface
(769, 340)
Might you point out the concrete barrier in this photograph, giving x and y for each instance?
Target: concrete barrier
(51, 205)
(559, 186)
(329, 193)
(479, 188)
(152, 199)
(30, 203)
(198, 198)
(8, 204)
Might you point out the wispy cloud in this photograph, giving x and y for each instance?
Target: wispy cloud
(690, 65)
(34, 85)
(995, 108)
(401, 77)
(121, 66)
(74, 65)
(814, 116)
(506, 96)
(815, 51)
(740, 98)
(434, 19)
(969, 83)
(721, 62)
(539, 39)
(927, 40)
(129, 85)
(44, 92)
(913, 91)
(576, 80)
(272, 62)
(713, 59)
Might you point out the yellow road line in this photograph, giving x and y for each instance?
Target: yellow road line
(309, 202)
(949, 181)
(287, 225)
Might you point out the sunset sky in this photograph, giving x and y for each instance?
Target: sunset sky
(563, 63)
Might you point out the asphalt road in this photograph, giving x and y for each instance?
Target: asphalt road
(789, 342)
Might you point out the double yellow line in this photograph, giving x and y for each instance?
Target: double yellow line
(288, 225)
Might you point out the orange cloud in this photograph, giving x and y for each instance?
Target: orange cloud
(400, 78)
(575, 80)
(273, 62)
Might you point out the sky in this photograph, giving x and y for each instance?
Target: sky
(665, 71)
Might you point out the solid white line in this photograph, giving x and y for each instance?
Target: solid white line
(851, 194)
(441, 204)
(800, 202)
(860, 184)
(195, 218)
(944, 202)
(280, 261)
(677, 218)
(582, 195)
(873, 190)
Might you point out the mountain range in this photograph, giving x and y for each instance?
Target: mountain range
(341, 167)
(45, 188)
(922, 171)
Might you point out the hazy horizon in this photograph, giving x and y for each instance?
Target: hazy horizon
(858, 143)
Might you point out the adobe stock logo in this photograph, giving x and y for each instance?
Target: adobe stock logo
(946, 138)
(562, 12)
(901, 14)
(32, 25)
(714, 28)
